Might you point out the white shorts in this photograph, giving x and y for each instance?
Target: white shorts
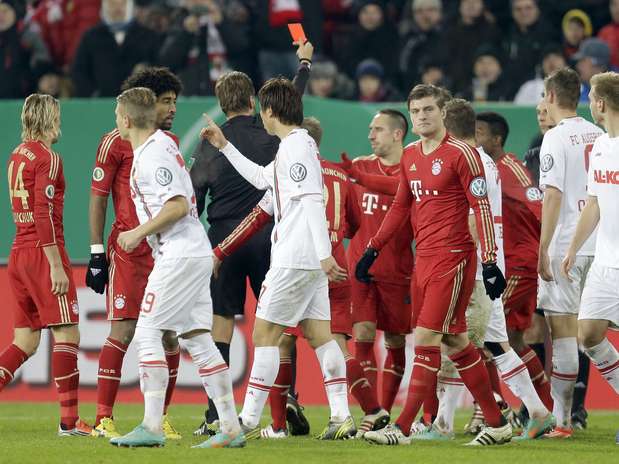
(600, 298)
(561, 296)
(289, 296)
(177, 296)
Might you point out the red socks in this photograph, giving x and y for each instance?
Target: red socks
(538, 376)
(430, 404)
(108, 378)
(495, 382)
(359, 386)
(393, 370)
(173, 359)
(279, 393)
(10, 360)
(364, 352)
(425, 368)
(67, 377)
(475, 377)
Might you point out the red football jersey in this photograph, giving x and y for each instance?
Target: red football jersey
(437, 190)
(522, 212)
(111, 174)
(36, 192)
(367, 210)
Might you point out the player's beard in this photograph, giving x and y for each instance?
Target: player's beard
(166, 123)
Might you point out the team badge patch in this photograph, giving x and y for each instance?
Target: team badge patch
(547, 163)
(533, 194)
(163, 176)
(49, 191)
(119, 301)
(437, 166)
(298, 172)
(75, 307)
(478, 187)
(98, 174)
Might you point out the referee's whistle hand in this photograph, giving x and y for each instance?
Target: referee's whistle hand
(334, 272)
(212, 133)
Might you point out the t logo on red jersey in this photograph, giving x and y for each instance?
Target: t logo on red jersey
(418, 191)
(369, 202)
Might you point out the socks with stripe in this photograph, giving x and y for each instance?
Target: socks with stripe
(279, 393)
(173, 358)
(224, 349)
(606, 359)
(393, 370)
(67, 378)
(333, 368)
(364, 352)
(261, 379)
(563, 378)
(154, 376)
(475, 377)
(108, 376)
(430, 404)
(10, 360)
(359, 386)
(538, 376)
(425, 368)
(449, 390)
(493, 375)
(516, 376)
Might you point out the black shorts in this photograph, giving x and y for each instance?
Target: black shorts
(251, 261)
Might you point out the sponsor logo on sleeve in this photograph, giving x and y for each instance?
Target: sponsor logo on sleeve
(547, 163)
(533, 194)
(478, 187)
(163, 176)
(298, 172)
(49, 191)
(98, 174)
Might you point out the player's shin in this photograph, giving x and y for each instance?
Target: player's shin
(10, 360)
(261, 379)
(360, 387)
(66, 377)
(538, 376)
(108, 378)
(563, 378)
(153, 370)
(606, 359)
(333, 368)
(449, 390)
(173, 358)
(393, 370)
(279, 393)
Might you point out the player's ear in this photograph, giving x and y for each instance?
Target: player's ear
(252, 103)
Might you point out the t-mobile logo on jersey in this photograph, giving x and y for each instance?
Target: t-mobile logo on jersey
(370, 203)
(418, 191)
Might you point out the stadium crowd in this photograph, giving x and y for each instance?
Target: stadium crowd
(367, 50)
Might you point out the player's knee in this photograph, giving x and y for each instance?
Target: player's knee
(148, 343)
(286, 344)
(394, 340)
(364, 332)
(123, 331)
(202, 349)
(170, 341)
(28, 343)
(66, 334)
(332, 363)
(589, 338)
(495, 348)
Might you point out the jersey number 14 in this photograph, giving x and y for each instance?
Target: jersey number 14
(16, 187)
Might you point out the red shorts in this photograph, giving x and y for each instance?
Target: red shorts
(441, 290)
(520, 299)
(36, 306)
(127, 280)
(385, 304)
(341, 320)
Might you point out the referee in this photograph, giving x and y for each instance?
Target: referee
(231, 198)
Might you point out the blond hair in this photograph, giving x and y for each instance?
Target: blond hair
(40, 117)
(313, 128)
(139, 104)
(606, 88)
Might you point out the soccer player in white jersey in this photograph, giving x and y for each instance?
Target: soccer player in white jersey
(599, 307)
(176, 298)
(295, 289)
(564, 161)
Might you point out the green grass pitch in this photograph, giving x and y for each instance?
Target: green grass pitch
(27, 433)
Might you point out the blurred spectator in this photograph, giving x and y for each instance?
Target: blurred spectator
(593, 57)
(155, 15)
(576, 27)
(525, 40)
(62, 24)
(610, 34)
(109, 52)
(54, 83)
(530, 93)
(463, 36)
(371, 83)
(489, 83)
(433, 72)
(325, 81)
(423, 41)
(23, 54)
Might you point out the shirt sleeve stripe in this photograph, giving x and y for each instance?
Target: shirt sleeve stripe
(520, 174)
(105, 148)
(468, 154)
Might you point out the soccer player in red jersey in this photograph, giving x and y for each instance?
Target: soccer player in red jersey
(383, 303)
(39, 270)
(522, 208)
(441, 178)
(128, 272)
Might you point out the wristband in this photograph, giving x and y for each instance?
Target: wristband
(97, 249)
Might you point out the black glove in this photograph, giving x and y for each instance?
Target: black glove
(493, 280)
(96, 276)
(364, 265)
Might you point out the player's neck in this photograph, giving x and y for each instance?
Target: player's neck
(563, 113)
(392, 158)
(47, 141)
(139, 136)
(431, 142)
(470, 141)
(282, 130)
(240, 113)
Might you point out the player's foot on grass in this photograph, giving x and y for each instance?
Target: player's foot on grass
(339, 430)
(207, 428)
(579, 418)
(139, 437)
(510, 415)
(476, 423)
(297, 422)
(270, 433)
(418, 427)
(106, 428)
(375, 421)
(224, 440)
(81, 429)
(492, 436)
(537, 427)
(390, 435)
(169, 431)
(250, 433)
(433, 433)
(559, 432)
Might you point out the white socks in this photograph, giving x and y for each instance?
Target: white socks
(154, 376)
(333, 368)
(449, 391)
(606, 360)
(515, 375)
(563, 378)
(262, 377)
(215, 377)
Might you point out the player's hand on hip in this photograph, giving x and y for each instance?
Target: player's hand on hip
(97, 273)
(305, 50)
(60, 281)
(129, 240)
(365, 263)
(543, 267)
(216, 265)
(334, 272)
(212, 133)
(494, 281)
(567, 264)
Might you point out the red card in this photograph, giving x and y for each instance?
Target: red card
(297, 32)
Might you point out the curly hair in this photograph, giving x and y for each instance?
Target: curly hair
(159, 80)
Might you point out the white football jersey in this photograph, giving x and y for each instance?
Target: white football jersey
(158, 174)
(604, 184)
(564, 162)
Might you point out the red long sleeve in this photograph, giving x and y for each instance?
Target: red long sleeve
(254, 221)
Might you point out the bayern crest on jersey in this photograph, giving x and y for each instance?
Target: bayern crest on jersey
(437, 166)
(119, 301)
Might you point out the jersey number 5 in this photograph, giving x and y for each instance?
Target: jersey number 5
(16, 188)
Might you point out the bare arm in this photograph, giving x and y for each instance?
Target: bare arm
(551, 209)
(60, 281)
(97, 210)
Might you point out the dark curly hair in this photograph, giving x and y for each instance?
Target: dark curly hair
(159, 80)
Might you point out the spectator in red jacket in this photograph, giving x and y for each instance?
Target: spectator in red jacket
(610, 34)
